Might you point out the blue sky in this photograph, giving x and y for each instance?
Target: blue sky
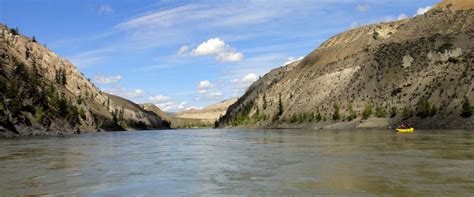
(184, 54)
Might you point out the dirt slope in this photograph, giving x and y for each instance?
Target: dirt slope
(417, 70)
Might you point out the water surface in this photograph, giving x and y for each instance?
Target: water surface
(240, 162)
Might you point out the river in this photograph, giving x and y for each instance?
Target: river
(240, 162)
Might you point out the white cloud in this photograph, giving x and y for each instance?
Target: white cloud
(422, 10)
(205, 91)
(363, 7)
(102, 79)
(204, 85)
(292, 59)
(193, 107)
(214, 95)
(165, 103)
(218, 48)
(402, 16)
(182, 105)
(240, 84)
(212, 46)
(128, 94)
(105, 9)
(183, 50)
(249, 78)
(166, 106)
(230, 57)
(159, 99)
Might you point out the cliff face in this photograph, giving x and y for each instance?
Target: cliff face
(418, 70)
(43, 94)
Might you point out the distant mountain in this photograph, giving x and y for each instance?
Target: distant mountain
(44, 94)
(417, 70)
(211, 112)
(193, 118)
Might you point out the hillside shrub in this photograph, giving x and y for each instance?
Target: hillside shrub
(380, 112)
(280, 105)
(423, 108)
(40, 114)
(433, 110)
(15, 31)
(393, 112)
(407, 112)
(264, 101)
(467, 109)
(336, 115)
(367, 111)
(352, 113)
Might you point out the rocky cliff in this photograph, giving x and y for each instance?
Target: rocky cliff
(44, 94)
(417, 70)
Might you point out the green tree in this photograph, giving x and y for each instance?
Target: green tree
(82, 113)
(367, 111)
(15, 31)
(115, 115)
(352, 113)
(407, 112)
(466, 108)
(40, 114)
(264, 101)
(336, 115)
(120, 115)
(60, 76)
(319, 117)
(33, 39)
(380, 112)
(393, 112)
(280, 105)
(423, 108)
(434, 110)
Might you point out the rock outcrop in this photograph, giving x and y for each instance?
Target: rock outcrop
(418, 70)
(44, 94)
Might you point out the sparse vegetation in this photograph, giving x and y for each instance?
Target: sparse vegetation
(243, 115)
(280, 105)
(380, 112)
(407, 112)
(319, 117)
(352, 113)
(264, 101)
(425, 109)
(61, 76)
(15, 31)
(336, 115)
(444, 47)
(82, 113)
(40, 114)
(467, 109)
(393, 112)
(367, 111)
(302, 117)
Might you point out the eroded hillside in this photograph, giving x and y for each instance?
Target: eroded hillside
(417, 70)
(44, 94)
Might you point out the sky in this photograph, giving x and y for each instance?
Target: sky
(189, 54)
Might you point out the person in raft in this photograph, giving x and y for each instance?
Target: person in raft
(403, 126)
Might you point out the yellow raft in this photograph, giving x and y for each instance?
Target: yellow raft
(410, 130)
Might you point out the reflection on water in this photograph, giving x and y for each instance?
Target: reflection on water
(222, 162)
